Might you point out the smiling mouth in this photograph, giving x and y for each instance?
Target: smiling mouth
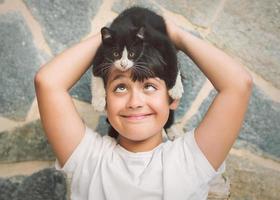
(136, 117)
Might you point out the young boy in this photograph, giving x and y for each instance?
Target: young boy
(139, 165)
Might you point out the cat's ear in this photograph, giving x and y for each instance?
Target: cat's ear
(107, 35)
(141, 33)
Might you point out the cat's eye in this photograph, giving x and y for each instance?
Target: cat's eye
(116, 54)
(131, 54)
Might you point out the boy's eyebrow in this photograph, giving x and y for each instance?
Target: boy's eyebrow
(119, 76)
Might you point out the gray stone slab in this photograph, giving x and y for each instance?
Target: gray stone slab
(64, 22)
(82, 89)
(19, 63)
(193, 79)
(121, 5)
(25, 143)
(102, 127)
(251, 180)
(250, 30)
(7, 188)
(199, 12)
(261, 127)
(2, 1)
(46, 184)
(196, 118)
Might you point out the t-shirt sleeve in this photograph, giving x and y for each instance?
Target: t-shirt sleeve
(91, 146)
(197, 157)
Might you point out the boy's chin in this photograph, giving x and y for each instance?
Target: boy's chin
(136, 138)
(139, 137)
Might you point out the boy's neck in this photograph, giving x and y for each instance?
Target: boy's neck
(140, 146)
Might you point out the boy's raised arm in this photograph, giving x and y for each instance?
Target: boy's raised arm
(61, 121)
(221, 124)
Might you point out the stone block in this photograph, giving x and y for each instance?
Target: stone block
(251, 180)
(64, 22)
(25, 143)
(197, 117)
(250, 30)
(82, 89)
(19, 63)
(121, 5)
(46, 184)
(192, 79)
(102, 127)
(9, 186)
(261, 128)
(198, 12)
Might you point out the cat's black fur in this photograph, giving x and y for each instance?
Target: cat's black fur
(143, 32)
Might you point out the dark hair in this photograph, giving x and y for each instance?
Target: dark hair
(157, 57)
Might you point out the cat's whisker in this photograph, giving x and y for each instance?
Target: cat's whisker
(104, 64)
(103, 69)
(145, 63)
(98, 70)
(109, 60)
(143, 70)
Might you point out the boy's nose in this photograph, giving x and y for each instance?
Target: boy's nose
(136, 100)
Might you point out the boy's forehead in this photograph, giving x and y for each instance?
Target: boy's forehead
(117, 74)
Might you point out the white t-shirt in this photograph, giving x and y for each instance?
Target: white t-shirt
(102, 169)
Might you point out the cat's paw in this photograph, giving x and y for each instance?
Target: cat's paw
(177, 91)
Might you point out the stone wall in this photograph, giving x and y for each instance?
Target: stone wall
(32, 32)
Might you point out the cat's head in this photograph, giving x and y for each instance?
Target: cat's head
(122, 50)
(144, 51)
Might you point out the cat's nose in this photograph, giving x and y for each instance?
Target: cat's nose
(124, 63)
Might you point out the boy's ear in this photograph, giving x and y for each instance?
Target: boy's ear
(174, 104)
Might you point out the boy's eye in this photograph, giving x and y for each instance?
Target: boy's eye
(120, 88)
(150, 87)
(116, 54)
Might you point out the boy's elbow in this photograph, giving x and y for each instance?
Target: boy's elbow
(39, 77)
(248, 82)
(246, 85)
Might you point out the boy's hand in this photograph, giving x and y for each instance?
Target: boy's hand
(173, 32)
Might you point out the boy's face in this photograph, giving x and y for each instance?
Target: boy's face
(137, 110)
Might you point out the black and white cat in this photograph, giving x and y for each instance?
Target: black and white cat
(137, 39)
